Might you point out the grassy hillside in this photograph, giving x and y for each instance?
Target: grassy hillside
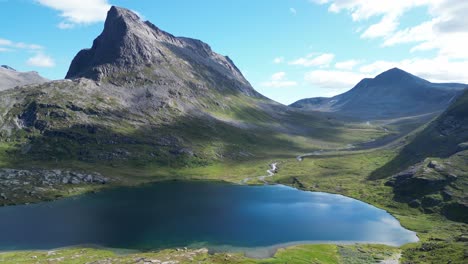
(441, 138)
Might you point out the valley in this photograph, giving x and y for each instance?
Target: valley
(143, 107)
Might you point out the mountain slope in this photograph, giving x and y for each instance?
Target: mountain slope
(142, 98)
(431, 172)
(392, 94)
(10, 78)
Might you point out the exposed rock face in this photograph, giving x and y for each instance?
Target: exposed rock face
(10, 78)
(394, 93)
(434, 186)
(417, 181)
(128, 46)
(17, 186)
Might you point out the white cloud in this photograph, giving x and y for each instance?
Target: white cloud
(386, 26)
(6, 43)
(293, 11)
(65, 25)
(439, 69)
(41, 60)
(446, 29)
(347, 65)
(337, 80)
(365, 9)
(279, 80)
(78, 11)
(311, 60)
(278, 60)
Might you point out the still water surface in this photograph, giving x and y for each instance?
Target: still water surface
(178, 214)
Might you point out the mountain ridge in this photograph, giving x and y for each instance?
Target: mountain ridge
(391, 94)
(10, 78)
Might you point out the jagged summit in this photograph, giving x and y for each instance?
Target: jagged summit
(129, 49)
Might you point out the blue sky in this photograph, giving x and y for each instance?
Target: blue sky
(287, 49)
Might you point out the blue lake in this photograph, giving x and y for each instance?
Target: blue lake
(179, 214)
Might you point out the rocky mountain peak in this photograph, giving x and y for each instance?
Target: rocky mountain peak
(121, 13)
(129, 49)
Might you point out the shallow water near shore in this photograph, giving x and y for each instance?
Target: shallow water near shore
(220, 216)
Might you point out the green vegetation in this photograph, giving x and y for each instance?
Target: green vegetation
(320, 254)
(241, 142)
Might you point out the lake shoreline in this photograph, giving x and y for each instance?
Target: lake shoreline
(258, 252)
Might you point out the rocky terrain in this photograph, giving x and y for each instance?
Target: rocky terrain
(10, 78)
(435, 186)
(35, 184)
(436, 178)
(392, 94)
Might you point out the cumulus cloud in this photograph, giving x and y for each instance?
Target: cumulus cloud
(9, 44)
(446, 29)
(38, 60)
(439, 69)
(278, 60)
(312, 60)
(41, 60)
(333, 79)
(347, 65)
(386, 26)
(279, 80)
(77, 12)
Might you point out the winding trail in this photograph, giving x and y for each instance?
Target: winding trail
(271, 172)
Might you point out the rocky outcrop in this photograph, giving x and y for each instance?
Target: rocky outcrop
(417, 181)
(434, 186)
(29, 185)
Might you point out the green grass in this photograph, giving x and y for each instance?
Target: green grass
(306, 254)
(218, 147)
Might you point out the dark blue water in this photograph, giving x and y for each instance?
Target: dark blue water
(177, 214)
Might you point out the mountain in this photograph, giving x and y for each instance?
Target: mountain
(143, 98)
(431, 171)
(128, 46)
(392, 94)
(10, 78)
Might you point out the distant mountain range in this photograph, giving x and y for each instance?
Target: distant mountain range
(10, 78)
(392, 94)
